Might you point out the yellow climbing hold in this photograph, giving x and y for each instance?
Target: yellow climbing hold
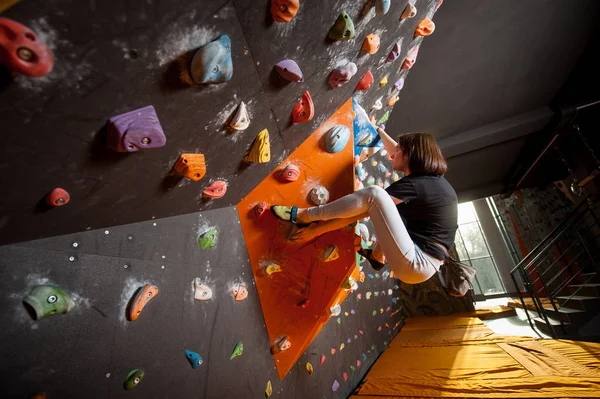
(330, 253)
(309, 368)
(269, 389)
(273, 268)
(261, 149)
(374, 163)
(342, 346)
(383, 81)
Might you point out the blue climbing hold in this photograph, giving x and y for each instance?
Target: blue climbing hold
(394, 300)
(361, 173)
(382, 6)
(364, 357)
(371, 277)
(194, 359)
(336, 139)
(212, 62)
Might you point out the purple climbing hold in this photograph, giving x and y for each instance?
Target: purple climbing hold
(399, 84)
(335, 386)
(135, 130)
(394, 54)
(382, 126)
(289, 70)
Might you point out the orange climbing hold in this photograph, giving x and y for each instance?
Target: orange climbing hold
(240, 292)
(371, 43)
(191, 166)
(140, 300)
(425, 28)
(58, 197)
(393, 100)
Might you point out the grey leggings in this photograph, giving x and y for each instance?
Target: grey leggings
(410, 264)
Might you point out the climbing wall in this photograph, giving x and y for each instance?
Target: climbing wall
(138, 222)
(113, 57)
(101, 270)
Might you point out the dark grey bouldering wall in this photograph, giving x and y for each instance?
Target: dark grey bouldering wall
(89, 351)
(113, 56)
(126, 209)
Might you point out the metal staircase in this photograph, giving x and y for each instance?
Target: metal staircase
(559, 280)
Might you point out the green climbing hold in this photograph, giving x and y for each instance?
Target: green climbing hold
(238, 350)
(343, 29)
(384, 118)
(352, 368)
(376, 293)
(207, 240)
(48, 300)
(339, 320)
(384, 343)
(373, 347)
(374, 313)
(133, 378)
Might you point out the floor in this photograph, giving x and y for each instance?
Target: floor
(516, 325)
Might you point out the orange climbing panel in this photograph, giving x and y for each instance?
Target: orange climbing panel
(296, 301)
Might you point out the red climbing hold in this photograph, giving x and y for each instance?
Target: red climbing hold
(365, 82)
(58, 197)
(345, 375)
(322, 360)
(304, 110)
(22, 51)
(260, 208)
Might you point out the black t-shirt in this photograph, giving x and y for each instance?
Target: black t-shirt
(429, 209)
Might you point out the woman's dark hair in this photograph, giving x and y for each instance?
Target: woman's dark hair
(423, 152)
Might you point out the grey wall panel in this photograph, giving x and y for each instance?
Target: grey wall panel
(71, 355)
(54, 126)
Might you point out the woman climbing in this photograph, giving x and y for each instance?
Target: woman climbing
(415, 218)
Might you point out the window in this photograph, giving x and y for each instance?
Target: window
(473, 249)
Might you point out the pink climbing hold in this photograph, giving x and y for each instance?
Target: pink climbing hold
(379, 329)
(358, 363)
(333, 351)
(410, 59)
(340, 76)
(215, 190)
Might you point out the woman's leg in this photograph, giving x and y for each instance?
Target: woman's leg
(392, 235)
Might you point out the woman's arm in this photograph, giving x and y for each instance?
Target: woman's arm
(388, 142)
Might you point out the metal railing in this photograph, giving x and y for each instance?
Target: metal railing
(566, 257)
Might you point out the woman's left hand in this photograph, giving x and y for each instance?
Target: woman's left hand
(305, 234)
